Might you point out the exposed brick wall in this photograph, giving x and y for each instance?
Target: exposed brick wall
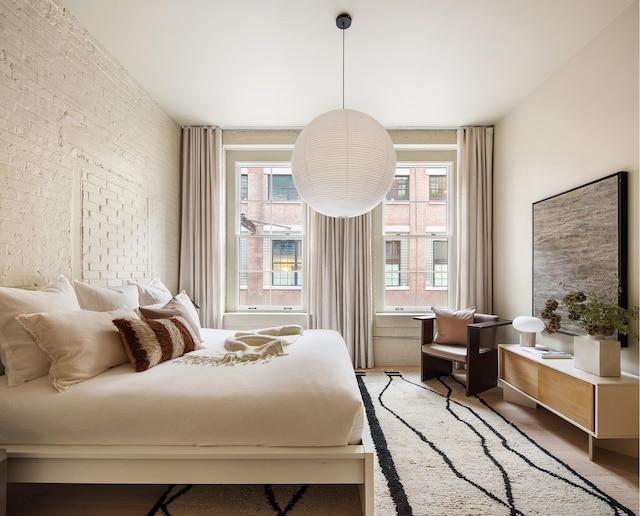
(89, 163)
(115, 232)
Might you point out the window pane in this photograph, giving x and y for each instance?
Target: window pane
(282, 188)
(438, 188)
(417, 238)
(242, 262)
(392, 275)
(270, 239)
(244, 187)
(399, 190)
(440, 263)
(286, 261)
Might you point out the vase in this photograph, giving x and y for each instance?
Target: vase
(596, 355)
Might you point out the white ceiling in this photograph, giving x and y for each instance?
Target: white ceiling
(278, 63)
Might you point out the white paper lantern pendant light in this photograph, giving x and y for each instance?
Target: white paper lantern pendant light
(343, 162)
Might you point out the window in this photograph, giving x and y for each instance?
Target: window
(269, 238)
(281, 188)
(399, 190)
(242, 262)
(417, 238)
(439, 264)
(392, 263)
(286, 263)
(437, 187)
(244, 187)
(396, 261)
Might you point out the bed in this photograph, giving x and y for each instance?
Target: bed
(296, 418)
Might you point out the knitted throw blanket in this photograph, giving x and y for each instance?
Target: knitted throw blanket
(250, 346)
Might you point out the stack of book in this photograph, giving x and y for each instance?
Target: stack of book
(541, 352)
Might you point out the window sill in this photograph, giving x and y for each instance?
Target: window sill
(252, 320)
(397, 319)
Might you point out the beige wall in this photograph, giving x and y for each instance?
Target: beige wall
(579, 126)
(89, 163)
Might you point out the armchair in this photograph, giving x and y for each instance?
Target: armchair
(478, 353)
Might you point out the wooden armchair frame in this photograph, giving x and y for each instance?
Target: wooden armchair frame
(480, 354)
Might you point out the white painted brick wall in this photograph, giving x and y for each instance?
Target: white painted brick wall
(114, 229)
(89, 163)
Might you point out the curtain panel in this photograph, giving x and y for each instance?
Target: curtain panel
(475, 219)
(340, 280)
(202, 230)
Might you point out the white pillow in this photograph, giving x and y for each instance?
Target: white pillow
(186, 302)
(22, 358)
(181, 306)
(80, 344)
(154, 293)
(105, 299)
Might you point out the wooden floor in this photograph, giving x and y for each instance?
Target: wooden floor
(614, 473)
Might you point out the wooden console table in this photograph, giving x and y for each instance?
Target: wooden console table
(605, 407)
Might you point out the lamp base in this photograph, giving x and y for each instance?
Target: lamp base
(527, 340)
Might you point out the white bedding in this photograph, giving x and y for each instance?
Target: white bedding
(308, 397)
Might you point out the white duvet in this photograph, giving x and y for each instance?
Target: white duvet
(308, 397)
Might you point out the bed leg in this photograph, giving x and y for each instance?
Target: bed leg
(366, 488)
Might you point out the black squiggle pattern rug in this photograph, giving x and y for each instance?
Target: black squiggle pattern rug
(452, 454)
(438, 452)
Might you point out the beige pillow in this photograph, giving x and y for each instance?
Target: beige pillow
(80, 344)
(106, 299)
(152, 341)
(181, 306)
(452, 325)
(22, 358)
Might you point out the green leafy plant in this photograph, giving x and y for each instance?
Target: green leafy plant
(597, 315)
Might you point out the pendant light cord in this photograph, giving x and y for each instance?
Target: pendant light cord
(343, 69)
(343, 22)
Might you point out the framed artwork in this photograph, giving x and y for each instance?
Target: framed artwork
(580, 239)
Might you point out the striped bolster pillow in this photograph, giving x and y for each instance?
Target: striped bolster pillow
(151, 341)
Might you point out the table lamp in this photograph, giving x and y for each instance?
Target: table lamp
(528, 326)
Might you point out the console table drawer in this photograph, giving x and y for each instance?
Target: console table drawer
(519, 372)
(570, 396)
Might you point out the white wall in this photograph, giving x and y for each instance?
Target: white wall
(579, 126)
(89, 163)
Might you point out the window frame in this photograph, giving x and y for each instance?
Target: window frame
(430, 158)
(234, 162)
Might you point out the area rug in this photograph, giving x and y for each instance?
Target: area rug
(438, 452)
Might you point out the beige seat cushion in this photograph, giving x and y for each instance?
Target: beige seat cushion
(451, 352)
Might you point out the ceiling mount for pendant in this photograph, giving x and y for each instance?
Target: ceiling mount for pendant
(343, 21)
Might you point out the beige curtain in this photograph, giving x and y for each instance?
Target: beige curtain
(202, 231)
(475, 219)
(340, 280)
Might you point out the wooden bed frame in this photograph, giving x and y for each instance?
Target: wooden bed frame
(61, 464)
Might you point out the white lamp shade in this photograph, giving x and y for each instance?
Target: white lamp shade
(528, 327)
(528, 324)
(343, 163)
